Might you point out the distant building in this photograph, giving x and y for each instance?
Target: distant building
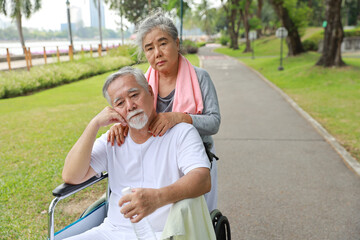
(94, 15)
(64, 27)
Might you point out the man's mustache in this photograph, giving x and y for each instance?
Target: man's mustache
(133, 113)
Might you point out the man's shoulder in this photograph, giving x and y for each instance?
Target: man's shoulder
(180, 127)
(182, 130)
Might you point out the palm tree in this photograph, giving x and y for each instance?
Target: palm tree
(20, 8)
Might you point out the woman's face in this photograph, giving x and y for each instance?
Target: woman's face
(161, 51)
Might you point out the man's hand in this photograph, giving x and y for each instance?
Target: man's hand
(77, 163)
(139, 204)
(108, 116)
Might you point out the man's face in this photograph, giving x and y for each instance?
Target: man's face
(131, 101)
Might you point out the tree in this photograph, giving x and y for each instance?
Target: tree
(118, 6)
(260, 4)
(206, 17)
(136, 10)
(350, 12)
(221, 21)
(232, 9)
(288, 13)
(269, 18)
(18, 9)
(175, 5)
(245, 15)
(333, 36)
(97, 3)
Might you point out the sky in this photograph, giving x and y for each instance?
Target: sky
(53, 13)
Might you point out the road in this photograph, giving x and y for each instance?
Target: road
(278, 177)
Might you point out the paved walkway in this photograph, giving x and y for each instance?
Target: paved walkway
(278, 178)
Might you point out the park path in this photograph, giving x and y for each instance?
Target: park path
(278, 177)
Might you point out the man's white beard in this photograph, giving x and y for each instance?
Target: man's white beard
(138, 122)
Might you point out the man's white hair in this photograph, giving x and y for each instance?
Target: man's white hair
(125, 71)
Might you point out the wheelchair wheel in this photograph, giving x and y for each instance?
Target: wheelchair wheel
(221, 225)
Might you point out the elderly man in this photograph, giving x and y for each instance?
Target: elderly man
(160, 170)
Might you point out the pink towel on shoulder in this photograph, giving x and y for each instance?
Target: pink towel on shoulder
(187, 97)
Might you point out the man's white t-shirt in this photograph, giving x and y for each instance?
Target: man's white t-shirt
(158, 162)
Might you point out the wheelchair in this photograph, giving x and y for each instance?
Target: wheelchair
(94, 215)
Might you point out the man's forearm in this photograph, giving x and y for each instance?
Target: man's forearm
(77, 163)
(194, 184)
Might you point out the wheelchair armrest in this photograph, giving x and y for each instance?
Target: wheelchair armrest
(68, 189)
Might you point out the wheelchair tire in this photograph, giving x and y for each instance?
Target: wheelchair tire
(221, 225)
(222, 229)
(215, 215)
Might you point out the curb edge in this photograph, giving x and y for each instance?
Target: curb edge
(349, 161)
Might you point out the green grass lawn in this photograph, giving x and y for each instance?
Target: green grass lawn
(330, 95)
(264, 47)
(37, 131)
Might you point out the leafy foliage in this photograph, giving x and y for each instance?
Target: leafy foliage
(25, 7)
(310, 45)
(299, 13)
(189, 46)
(352, 32)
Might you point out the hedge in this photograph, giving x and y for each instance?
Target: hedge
(20, 82)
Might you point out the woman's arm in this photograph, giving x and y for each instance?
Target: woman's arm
(208, 122)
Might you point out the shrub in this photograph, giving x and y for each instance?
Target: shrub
(20, 82)
(352, 32)
(310, 45)
(127, 50)
(189, 46)
(224, 39)
(200, 44)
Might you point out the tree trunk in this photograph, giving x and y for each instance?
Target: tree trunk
(358, 11)
(245, 16)
(293, 39)
(19, 28)
(234, 19)
(334, 34)
(310, 4)
(247, 30)
(258, 14)
(234, 35)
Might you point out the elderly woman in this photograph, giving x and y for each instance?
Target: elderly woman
(184, 93)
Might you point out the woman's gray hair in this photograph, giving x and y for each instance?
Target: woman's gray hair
(157, 20)
(137, 73)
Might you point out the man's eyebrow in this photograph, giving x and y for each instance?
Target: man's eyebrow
(129, 91)
(116, 99)
(133, 90)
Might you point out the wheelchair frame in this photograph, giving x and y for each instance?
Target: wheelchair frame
(65, 190)
(220, 222)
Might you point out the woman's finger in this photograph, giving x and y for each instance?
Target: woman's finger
(126, 130)
(112, 136)
(120, 135)
(163, 131)
(154, 123)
